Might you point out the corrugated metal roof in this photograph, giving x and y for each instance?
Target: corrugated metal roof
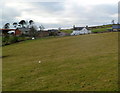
(116, 26)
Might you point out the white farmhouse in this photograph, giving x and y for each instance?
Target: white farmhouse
(80, 31)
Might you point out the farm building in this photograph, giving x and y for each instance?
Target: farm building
(62, 34)
(116, 27)
(43, 33)
(80, 31)
(18, 32)
(24, 30)
(53, 32)
(15, 32)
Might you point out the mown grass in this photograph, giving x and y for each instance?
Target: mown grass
(0, 40)
(74, 63)
(0, 63)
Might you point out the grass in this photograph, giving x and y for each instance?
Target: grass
(67, 31)
(101, 29)
(0, 40)
(74, 63)
(105, 28)
(0, 63)
(12, 39)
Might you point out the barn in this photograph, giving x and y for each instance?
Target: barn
(15, 32)
(116, 27)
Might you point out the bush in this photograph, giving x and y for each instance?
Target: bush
(13, 39)
(5, 40)
(21, 38)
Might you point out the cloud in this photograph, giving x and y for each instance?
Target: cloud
(10, 14)
(62, 14)
(49, 6)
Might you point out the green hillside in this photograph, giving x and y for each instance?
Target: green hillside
(67, 31)
(101, 29)
(73, 63)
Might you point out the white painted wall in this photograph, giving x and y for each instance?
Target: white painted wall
(81, 32)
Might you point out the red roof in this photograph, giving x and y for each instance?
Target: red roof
(7, 29)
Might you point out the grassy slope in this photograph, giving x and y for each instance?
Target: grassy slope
(67, 31)
(0, 64)
(81, 63)
(101, 29)
(0, 40)
(93, 30)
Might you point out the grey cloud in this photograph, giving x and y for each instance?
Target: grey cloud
(49, 7)
(9, 14)
(98, 14)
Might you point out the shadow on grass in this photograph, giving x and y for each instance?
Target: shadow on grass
(4, 56)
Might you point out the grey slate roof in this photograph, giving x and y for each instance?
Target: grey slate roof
(78, 28)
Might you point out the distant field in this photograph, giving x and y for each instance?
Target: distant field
(101, 29)
(93, 30)
(67, 31)
(73, 63)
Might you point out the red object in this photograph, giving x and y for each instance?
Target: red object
(18, 32)
(5, 31)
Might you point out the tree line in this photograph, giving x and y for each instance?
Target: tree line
(22, 24)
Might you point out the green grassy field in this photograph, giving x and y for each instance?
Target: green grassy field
(73, 63)
(0, 40)
(101, 29)
(93, 30)
(0, 63)
(0, 46)
(67, 31)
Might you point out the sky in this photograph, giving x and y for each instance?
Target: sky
(63, 13)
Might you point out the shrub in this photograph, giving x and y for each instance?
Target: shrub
(5, 40)
(13, 39)
(21, 38)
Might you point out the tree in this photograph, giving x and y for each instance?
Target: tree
(22, 22)
(41, 27)
(15, 24)
(59, 28)
(73, 26)
(113, 22)
(7, 26)
(33, 32)
(87, 27)
(31, 22)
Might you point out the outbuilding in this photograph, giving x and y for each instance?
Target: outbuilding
(116, 27)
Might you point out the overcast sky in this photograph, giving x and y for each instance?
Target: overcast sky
(64, 13)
